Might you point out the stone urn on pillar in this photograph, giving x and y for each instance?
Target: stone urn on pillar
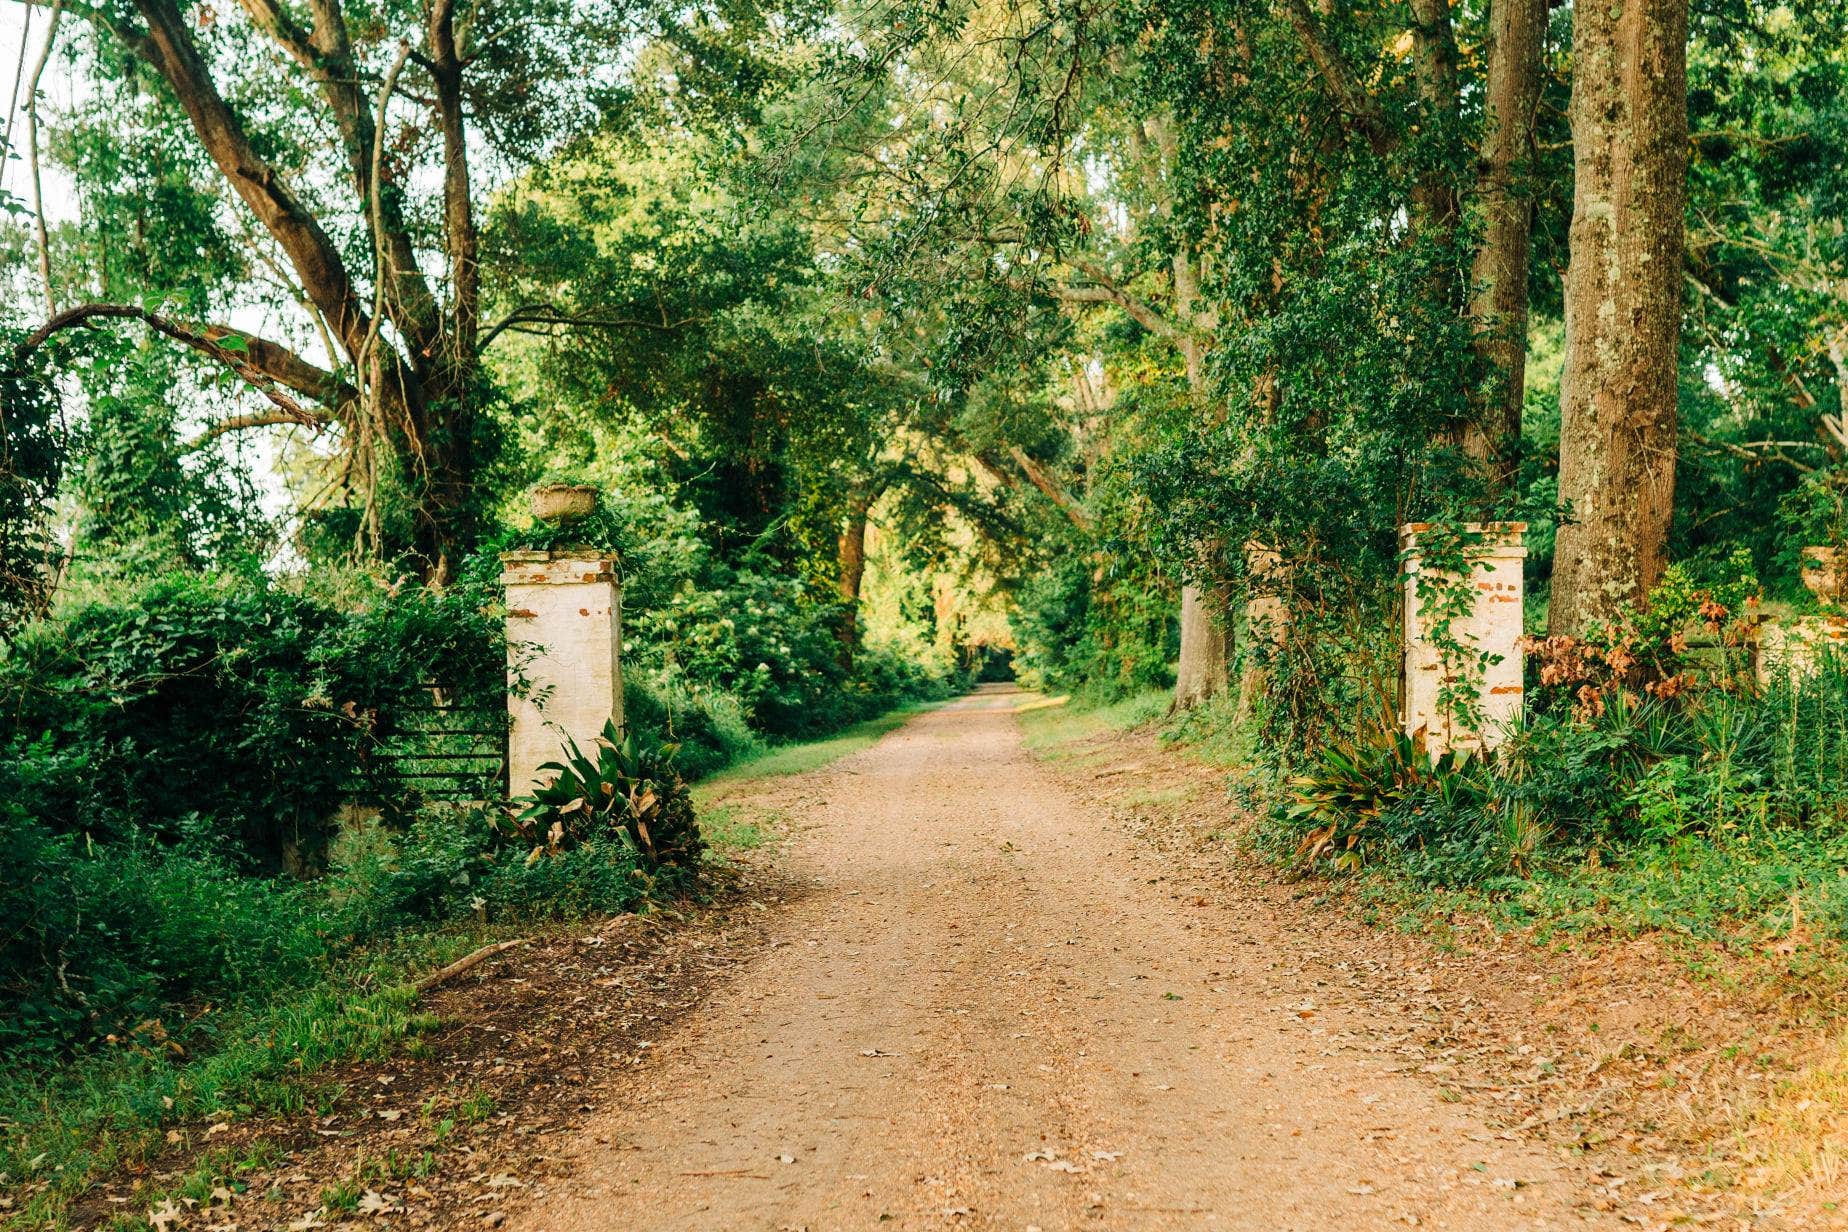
(1464, 684)
(564, 635)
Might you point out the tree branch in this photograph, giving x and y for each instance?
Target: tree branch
(32, 148)
(268, 367)
(458, 208)
(1107, 291)
(259, 419)
(546, 314)
(168, 46)
(1760, 451)
(1055, 491)
(1361, 107)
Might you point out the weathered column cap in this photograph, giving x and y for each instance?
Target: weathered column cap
(1501, 540)
(565, 567)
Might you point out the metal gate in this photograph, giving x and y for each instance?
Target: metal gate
(438, 748)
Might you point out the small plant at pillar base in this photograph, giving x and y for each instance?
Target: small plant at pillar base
(622, 788)
(1388, 791)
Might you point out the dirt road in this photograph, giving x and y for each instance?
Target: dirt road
(983, 1014)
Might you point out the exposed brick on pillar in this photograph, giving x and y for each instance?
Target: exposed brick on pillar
(1493, 626)
(564, 633)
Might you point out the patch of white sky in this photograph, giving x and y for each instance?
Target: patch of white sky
(64, 89)
(22, 37)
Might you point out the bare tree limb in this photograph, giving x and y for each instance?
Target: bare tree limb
(467, 961)
(546, 314)
(1108, 291)
(32, 157)
(1055, 491)
(260, 419)
(1761, 451)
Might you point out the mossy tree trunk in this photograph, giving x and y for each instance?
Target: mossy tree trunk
(1623, 305)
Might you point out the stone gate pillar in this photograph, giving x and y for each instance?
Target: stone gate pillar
(1484, 663)
(566, 608)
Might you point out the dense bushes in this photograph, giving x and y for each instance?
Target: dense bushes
(178, 760)
(1109, 630)
(1609, 784)
(174, 766)
(232, 712)
(742, 642)
(106, 939)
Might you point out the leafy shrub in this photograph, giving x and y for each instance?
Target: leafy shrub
(97, 937)
(234, 712)
(622, 787)
(765, 642)
(708, 725)
(1111, 632)
(107, 939)
(454, 860)
(1391, 794)
(1650, 650)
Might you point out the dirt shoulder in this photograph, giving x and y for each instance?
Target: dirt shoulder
(466, 1114)
(1704, 1085)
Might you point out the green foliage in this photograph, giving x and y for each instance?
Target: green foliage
(270, 982)
(1610, 785)
(604, 531)
(773, 650)
(707, 725)
(1114, 634)
(31, 461)
(1390, 794)
(229, 711)
(127, 939)
(623, 787)
(102, 936)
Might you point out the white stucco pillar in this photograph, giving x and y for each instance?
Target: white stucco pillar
(1794, 649)
(564, 610)
(1489, 666)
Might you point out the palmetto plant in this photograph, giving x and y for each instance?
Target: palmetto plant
(1351, 787)
(621, 787)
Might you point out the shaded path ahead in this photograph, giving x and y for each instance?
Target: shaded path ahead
(983, 1015)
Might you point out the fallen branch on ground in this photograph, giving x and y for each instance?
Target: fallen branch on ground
(464, 963)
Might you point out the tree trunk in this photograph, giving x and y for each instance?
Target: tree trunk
(1267, 623)
(426, 388)
(1201, 672)
(852, 557)
(1206, 636)
(1623, 305)
(1434, 195)
(1517, 31)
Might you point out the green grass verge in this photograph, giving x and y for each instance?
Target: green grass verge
(1736, 890)
(65, 1129)
(1052, 731)
(814, 754)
